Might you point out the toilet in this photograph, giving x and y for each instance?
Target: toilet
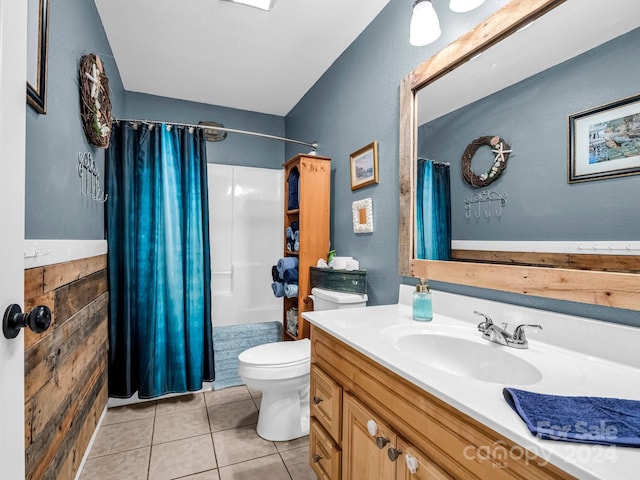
(280, 370)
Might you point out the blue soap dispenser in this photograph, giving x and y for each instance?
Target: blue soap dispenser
(422, 306)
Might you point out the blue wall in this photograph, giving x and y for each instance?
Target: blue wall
(532, 117)
(55, 208)
(357, 101)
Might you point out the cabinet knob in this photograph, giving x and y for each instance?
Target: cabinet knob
(316, 458)
(412, 463)
(316, 400)
(372, 427)
(393, 454)
(381, 442)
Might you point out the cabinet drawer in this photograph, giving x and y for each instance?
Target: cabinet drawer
(324, 455)
(326, 402)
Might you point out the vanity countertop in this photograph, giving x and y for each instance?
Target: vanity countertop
(374, 331)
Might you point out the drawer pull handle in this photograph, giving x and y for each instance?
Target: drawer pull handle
(381, 442)
(393, 454)
(316, 458)
(316, 400)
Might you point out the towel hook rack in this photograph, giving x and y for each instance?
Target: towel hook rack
(90, 178)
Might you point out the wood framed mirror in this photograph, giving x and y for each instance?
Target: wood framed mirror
(576, 280)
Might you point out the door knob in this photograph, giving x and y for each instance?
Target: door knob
(316, 400)
(38, 320)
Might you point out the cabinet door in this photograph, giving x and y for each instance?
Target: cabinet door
(365, 444)
(412, 464)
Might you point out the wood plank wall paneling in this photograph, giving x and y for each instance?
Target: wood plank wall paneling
(66, 366)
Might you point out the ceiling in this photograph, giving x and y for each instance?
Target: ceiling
(232, 55)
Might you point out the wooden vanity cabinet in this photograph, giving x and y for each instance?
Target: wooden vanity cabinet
(391, 429)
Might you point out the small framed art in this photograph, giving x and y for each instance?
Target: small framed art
(364, 166)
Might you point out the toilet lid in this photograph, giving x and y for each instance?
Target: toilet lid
(280, 354)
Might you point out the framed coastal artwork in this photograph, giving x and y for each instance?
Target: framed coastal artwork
(364, 166)
(604, 142)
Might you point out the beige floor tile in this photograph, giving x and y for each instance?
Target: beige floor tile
(254, 393)
(292, 444)
(232, 415)
(227, 395)
(181, 403)
(129, 465)
(209, 475)
(265, 468)
(122, 436)
(257, 401)
(297, 462)
(182, 457)
(240, 444)
(176, 426)
(127, 413)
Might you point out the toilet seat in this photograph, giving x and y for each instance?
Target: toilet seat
(278, 360)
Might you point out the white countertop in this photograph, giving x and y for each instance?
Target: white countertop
(572, 370)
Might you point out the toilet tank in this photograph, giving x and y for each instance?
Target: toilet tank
(332, 300)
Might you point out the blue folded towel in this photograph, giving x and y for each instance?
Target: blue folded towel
(291, 290)
(278, 289)
(294, 185)
(596, 420)
(286, 263)
(290, 275)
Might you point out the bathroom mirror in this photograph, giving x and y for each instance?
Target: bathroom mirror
(596, 279)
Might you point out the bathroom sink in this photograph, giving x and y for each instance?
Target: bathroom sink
(463, 357)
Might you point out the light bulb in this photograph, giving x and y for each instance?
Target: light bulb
(425, 27)
(461, 6)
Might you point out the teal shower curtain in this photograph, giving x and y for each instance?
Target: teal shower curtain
(433, 211)
(160, 338)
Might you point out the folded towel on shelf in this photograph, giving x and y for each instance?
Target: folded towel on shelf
(296, 246)
(294, 226)
(293, 182)
(594, 420)
(275, 276)
(286, 263)
(290, 275)
(290, 290)
(278, 289)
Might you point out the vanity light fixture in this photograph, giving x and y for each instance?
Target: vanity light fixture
(425, 26)
(461, 6)
(261, 4)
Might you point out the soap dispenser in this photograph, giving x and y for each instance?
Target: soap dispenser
(422, 307)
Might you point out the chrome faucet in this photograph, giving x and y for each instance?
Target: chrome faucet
(493, 333)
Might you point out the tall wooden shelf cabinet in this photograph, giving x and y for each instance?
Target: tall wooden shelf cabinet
(312, 217)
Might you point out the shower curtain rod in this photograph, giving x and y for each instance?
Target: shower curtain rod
(313, 145)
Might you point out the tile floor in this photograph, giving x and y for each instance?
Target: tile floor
(202, 436)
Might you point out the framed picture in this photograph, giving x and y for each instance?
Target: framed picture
(37, 45)
(604, 142)
(364, 166)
